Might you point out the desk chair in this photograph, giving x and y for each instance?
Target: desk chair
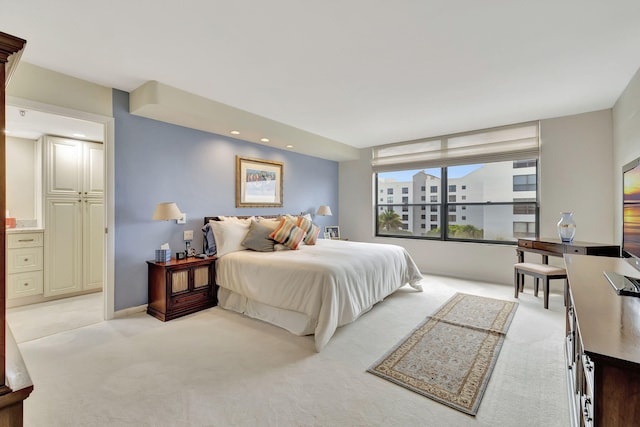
(545, 272)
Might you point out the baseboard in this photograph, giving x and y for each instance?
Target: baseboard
(129, 311)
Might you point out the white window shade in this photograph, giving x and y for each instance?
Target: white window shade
(517, 142)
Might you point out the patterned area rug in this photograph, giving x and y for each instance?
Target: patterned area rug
(449, 357)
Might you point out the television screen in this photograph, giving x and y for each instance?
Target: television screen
(631, 210)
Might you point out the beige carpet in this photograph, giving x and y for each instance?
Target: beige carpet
(217, 368)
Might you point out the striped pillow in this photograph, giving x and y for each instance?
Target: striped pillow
(310, 229)
(288, 234)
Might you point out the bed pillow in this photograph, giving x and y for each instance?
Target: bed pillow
(209, 241)
(246, 221)
(272, 223)
(258, 239)
(311, 230)
(288, 233)
(229, 236)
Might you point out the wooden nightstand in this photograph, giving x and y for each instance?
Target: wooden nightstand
(180, 287)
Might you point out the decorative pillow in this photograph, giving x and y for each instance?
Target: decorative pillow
(310, 229)
(288, 233)
(272, 223)
(258, 239)
(229, 236)
(209, 241)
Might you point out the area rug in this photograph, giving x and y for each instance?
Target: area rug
(449, 357)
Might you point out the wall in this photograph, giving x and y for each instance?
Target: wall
(21, 176)
(580, 182)
(626, 140)
(157, 162)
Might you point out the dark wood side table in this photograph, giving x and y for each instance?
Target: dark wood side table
(551, 246)
(180, 287)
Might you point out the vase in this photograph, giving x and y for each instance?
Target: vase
(566, 227)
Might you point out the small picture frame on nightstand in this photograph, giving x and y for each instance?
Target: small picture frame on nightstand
(333, 231)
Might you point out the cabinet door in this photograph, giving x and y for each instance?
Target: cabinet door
(62, 239)
(93, 243)
(64, 161)
(93, 182)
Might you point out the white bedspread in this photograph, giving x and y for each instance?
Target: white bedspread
(332, 282)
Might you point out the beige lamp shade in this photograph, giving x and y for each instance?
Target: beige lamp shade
(167, 211)
(324, 211)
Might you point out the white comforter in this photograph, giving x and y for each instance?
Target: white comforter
(332, 282)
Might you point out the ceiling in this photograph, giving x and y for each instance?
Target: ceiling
(358, 72)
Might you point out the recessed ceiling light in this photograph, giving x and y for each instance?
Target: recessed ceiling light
(235, 132)
(79, 135)
(264, 139)
(289, 146)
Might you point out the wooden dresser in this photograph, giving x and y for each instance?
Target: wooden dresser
(602, 344)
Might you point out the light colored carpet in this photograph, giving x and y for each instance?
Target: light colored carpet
(217, 368)
(35, 321)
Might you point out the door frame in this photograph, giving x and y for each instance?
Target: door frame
(108, 124)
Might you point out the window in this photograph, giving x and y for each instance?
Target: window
(405, 209)
(524, 229)
(423, 198)
(423, 188)
(525, 206)
(530, 163)
(405, 217)
(389, 190)
(423, 217)
(491, 170)
(405, 190)
(405, 200)
(524, 182)
(390, 199)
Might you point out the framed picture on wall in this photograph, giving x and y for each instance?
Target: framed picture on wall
(333, 231)
(258, 183)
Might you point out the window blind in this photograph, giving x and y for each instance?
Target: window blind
(515, 142)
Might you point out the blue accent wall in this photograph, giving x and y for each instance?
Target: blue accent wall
(160, 162)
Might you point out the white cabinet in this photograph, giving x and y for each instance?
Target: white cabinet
(24, 264)
(74, 216)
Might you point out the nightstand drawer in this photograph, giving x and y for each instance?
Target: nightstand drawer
(190, 298)
(24, 284)
(24, 259)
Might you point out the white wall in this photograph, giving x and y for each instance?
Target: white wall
(626, 141)
(21, 178)
(582, 184)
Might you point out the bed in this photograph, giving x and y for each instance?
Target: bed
(313, 289)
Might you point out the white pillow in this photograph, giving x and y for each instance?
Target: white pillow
(236, 219)
(272, 223)
(229, 236)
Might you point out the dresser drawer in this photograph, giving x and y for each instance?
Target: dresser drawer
(24, 284)
(24, 259)
(24, 240)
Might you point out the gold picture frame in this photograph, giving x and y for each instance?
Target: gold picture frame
(258, 183)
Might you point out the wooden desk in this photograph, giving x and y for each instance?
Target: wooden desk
(552, 246)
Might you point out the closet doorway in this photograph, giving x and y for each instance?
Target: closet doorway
(58, 250)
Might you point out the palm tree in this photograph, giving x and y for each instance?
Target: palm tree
(389, 221)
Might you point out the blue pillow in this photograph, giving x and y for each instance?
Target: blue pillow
(209, 241)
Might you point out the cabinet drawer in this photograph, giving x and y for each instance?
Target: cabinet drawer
(24, 259)
(24, 240)
(24, 284)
